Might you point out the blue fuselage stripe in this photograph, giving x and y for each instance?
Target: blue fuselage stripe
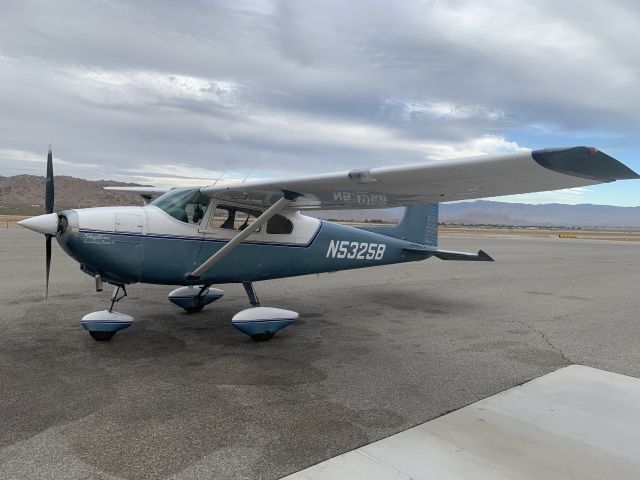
(203, 238)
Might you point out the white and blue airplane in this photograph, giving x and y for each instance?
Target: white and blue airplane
(195, 238)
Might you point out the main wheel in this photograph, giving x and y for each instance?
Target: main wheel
(102, 336)
(195, 308)
(262, 337)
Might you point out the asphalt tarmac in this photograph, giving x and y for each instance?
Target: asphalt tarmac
(376, 351)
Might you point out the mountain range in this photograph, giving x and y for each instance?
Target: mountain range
(25, 194)
(483, 212)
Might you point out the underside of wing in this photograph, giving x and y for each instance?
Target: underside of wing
(150, 191)
(436, 181)
(147, 193)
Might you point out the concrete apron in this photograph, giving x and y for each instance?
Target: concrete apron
(576, 422)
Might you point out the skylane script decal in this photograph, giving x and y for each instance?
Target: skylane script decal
(96, 238)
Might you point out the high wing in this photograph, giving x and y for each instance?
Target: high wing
(435, 181)
(147, 193)
(151, 191)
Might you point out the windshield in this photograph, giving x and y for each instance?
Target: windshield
(185, 204)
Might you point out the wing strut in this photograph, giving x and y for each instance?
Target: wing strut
(235, 241)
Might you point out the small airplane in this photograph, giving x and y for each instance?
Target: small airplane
(246, 232)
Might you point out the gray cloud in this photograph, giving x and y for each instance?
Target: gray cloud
(162, 90)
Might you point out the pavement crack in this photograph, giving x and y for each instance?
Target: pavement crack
(546, 339)
(552, 345)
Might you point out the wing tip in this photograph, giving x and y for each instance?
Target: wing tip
(583, 162)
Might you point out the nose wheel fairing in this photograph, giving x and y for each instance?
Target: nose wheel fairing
(103, 324)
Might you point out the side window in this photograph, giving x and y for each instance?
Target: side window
(195, 212)
(223, 216)
(233, 218)
(279, 225)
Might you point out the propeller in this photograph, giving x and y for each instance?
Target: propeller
(49, 223)
(48, 208)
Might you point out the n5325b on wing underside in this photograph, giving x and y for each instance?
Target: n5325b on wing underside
(195, 238)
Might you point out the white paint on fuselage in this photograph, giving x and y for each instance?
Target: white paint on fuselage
(154, 221)
(103, 219)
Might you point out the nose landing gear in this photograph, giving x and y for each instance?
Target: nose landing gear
(104, 324)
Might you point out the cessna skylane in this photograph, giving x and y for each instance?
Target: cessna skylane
(195, 238)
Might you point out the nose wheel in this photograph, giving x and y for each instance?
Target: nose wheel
(104, 324)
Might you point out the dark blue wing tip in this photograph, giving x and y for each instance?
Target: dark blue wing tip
(584, 162)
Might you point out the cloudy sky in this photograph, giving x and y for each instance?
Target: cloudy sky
(164, 92)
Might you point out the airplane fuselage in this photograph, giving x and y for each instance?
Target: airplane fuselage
(144, 244)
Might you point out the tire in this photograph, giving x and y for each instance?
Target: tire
(263, 337)
(194, 309)
(102, 336)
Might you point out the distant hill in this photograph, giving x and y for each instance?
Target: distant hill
(24, 194)
(483, 212)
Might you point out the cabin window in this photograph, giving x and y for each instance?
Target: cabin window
(279, 225)
(185, 204)
(233, 218)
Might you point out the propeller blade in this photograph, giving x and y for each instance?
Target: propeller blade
(48, 262)
(48, 198)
